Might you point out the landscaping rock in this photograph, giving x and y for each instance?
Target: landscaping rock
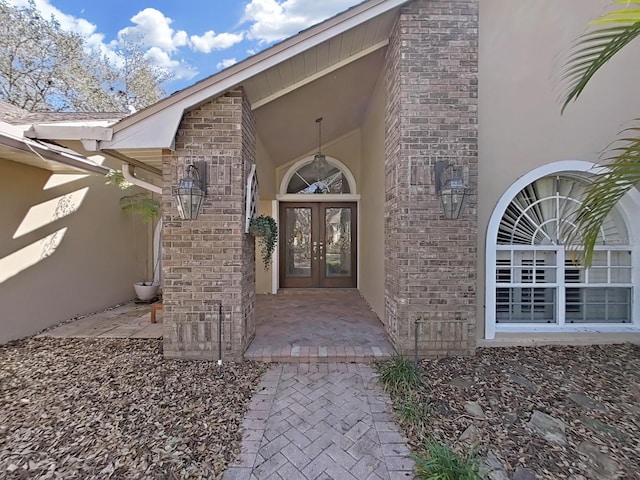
(523, 382)
(603, 429)
(548, 427)
(586, 402)
(471, 435)
(601, 462)
(475, 410)
(461, 382)
(522, 473)
(495, 467)
(509, 418)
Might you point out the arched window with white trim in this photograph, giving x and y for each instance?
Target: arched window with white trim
(303, 178)
(306, 180)
(536, 282)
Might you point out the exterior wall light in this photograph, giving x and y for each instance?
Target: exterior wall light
(451, 189)
(190, 192)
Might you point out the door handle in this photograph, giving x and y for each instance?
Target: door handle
(321, 250)
(314, 250)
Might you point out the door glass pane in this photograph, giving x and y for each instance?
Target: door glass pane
(298, 238)
(337, 242)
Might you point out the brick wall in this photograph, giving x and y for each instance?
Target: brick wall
(210, 260)
(431, 114)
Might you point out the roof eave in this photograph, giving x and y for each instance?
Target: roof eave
(46, 153)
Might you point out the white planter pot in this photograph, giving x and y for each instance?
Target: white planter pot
(146, 290)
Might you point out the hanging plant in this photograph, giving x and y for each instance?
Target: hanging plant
(265, 229)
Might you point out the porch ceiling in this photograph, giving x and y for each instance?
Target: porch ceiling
(333, 80)
(320, 60)
(287, 125)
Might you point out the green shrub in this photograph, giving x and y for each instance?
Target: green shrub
(399, 376)
(414, 413)
(439, 462)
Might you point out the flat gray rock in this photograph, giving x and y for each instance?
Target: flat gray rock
(603, 466)
(522, 473)
(509, 418)
(499, 475)
(461, 382)
(471, 435)
(495, 467)
(475, 410)
(551, 429)
(600, 427)
(587, 402)
(523, 382)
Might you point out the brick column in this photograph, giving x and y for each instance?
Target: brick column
(431, 114)
(210, 260)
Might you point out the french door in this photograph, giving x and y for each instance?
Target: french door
(318, 245)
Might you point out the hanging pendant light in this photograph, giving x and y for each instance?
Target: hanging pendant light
(319, 163)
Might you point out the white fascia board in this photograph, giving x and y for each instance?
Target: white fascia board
(12, 130)
(155, 131)
(50, 153)
(69, 132)
(140, 130)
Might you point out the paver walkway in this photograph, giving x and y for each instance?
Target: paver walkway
(124, 321)
(325, 421)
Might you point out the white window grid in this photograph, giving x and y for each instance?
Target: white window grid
(552, 290)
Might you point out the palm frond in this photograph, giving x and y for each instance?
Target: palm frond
(607, 189)
(606, 37)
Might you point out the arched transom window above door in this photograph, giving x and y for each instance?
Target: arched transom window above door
(303, 178)
(535, 283)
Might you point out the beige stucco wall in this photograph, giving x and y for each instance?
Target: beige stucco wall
(522, 49)
(266, 172)
(65, 248)
(371, 185)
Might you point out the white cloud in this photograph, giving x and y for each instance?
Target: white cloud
(154, 30)
(68, 23)
(180, 70)
(226, 63)
(272, 20)
(212, 41)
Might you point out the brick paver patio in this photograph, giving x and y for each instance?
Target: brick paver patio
(326, 325)
(321, 421)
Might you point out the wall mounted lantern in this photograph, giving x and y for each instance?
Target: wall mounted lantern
(190, 192)
(450, 188)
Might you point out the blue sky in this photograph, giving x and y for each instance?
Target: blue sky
(192, 38)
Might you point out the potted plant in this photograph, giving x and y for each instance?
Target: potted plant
(265, 229)
(146, 207)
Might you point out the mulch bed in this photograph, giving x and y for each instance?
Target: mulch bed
(115, 408)
(594, 390)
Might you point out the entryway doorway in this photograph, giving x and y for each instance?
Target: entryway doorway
(318, 242)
